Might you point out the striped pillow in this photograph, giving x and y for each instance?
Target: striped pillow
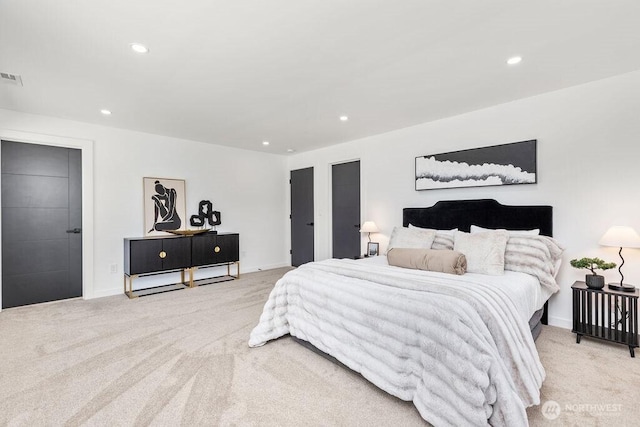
(443, 239)
(538, 256)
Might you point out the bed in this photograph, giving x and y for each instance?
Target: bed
(488, 213)
(460, 348)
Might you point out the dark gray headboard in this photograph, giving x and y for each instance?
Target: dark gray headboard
(462, 214)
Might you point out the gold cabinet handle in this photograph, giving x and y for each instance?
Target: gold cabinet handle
(216, 249)
(162, 254)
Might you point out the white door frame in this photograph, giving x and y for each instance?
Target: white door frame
(86, 146)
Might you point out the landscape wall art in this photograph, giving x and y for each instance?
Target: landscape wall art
(505, 164)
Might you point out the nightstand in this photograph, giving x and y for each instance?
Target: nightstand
(606, 314)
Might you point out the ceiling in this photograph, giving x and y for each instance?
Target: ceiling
(241, 72)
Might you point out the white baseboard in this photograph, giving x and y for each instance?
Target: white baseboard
(560, 322)
(119, 291)
(264, 267)
(106, 293)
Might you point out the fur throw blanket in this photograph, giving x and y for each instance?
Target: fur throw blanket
(456, 347)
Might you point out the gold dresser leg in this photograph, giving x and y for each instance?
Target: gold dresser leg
(129, 293)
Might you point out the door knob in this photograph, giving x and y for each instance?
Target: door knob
(162, 254)
(310, 223)
(75, 231)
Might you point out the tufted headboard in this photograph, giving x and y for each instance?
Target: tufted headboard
(486, 213)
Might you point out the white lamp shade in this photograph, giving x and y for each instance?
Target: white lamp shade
(369, 227)
(621, 237)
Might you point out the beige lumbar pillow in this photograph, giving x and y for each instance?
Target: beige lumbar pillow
(443, 261)
(484, 251)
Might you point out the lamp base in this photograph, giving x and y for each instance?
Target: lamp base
(621, 287)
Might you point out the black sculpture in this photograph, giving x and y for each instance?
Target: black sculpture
(205, 212)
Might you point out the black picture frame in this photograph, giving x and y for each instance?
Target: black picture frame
(496, 165)
(373, 248)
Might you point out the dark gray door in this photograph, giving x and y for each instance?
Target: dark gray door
(345, 191)
(41, 223)
(301, 216)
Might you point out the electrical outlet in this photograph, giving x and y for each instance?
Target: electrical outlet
(113, 268)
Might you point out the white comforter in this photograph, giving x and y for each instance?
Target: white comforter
(458, 348)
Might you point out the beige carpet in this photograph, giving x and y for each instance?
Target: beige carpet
(181, 358)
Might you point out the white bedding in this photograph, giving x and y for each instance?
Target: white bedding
(524, 289)
(459, 347)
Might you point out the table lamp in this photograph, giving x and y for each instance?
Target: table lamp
(621, 237)
(369, 227)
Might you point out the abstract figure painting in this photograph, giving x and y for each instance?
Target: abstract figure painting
(505, 164)
(164, 205)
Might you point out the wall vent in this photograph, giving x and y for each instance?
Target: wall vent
(13, 79)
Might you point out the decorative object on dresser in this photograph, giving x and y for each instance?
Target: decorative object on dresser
(609, 315)
(621, 237)
(505, 164)
(205, 212)
(185, 254)
(593, 280)
(190, 232)
(164, 205)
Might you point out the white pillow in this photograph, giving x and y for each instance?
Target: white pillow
(534, 232)
(449, 232)
(443, 239)
(539, 256)
(484, 251)
(416, 238)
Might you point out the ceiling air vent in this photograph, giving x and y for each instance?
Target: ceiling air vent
(13, 79)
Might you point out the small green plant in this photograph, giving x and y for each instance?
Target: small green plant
(592, 264)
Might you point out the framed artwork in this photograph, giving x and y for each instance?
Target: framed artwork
(505, 164)
(164, 205)
(372, 248)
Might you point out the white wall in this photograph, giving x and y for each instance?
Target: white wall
(588, 153)
(246, 186)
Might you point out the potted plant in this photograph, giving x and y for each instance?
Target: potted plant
(593, 280)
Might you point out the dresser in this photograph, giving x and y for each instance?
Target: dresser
(146, 256)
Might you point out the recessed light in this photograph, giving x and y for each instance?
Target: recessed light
(514, 60)
(265, 142)
(105, 112)
(139, 48)
(290, 150)
(344, 118)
